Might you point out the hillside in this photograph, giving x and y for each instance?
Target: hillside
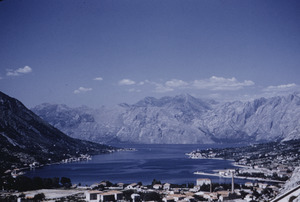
(182, 119)
(25, 138)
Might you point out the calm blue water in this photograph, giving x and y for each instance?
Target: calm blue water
(167, 163)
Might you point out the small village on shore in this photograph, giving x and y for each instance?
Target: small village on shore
(272, 162)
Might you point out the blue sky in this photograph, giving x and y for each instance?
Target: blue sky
(91, 52)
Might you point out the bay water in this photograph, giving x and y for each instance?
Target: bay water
(167, 163)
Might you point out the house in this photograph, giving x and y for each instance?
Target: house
(103, 196)
(231, 171)
(167, 186)
(174, 197)
(111, 196)
(157, 186)
(195, 189)
(115, 188)
(259, 190)
(249, 184)
(210, 196)
(223, 193)
(132, 186)
(262, 185)
(274, 188)
(189, 198)
(135, 197)
(282, 173)
(248, 197)
(168, 199)
(201, 193)
(202, 181)
(176, 190)
(103, 183)
(34, 165)
(121, 184)
(92, 195)
(222, 172)
(94, 185)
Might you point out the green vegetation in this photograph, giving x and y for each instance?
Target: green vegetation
(23, 183)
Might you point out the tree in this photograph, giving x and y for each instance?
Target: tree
(23, 183)
(155, 182)
(39, 197)
(55, 182)
(66, 182)
(152, 196)
(22, 195)
(199, 198)
(109, 184)
(191, 185)
(38, 183)
(205, 187)
(127, 194)
(47, 183)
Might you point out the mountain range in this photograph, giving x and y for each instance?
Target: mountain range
(181, 119)
(26, 138)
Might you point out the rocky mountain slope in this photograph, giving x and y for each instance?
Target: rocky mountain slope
(180, 119)
(293, 182)
(25, 138)
(263, 119)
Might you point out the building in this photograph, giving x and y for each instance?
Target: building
(111, 196)
(103, 196)
(132, 186)
(157, 186)
(202, 181)
(262, 185)
(167, 186)
(174, 197)
(135, 197)
(249, 184)
(92, 195)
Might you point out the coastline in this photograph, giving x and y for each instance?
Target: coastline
(239, 177)
(83, 157)
(235, 164)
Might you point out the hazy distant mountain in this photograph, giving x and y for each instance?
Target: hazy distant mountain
(180, 119)
(275, 118)
(99, 125)
(25, 138)
(166, 120)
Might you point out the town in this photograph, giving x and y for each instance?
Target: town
(267, 161)
(265, 168)
(203, 190)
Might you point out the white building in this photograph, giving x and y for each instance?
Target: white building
(157, 186)
(132, 186)
(167, 186)
(103, 196)
(202, 181)
(249, 184)
(92, 195)
(135, 197)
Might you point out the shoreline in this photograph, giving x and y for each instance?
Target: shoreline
(239, 177)
(234, 163)
(85, 157)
